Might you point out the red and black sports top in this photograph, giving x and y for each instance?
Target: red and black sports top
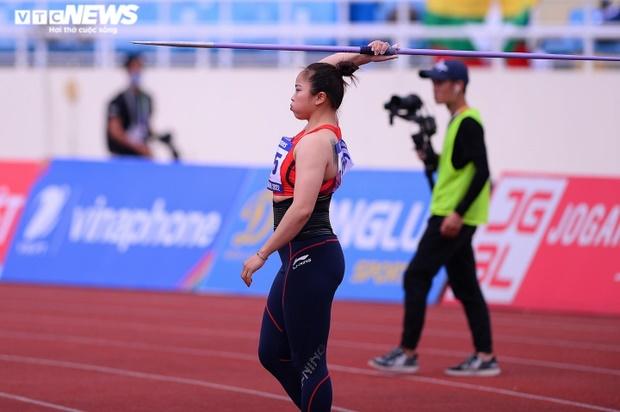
(282, 177)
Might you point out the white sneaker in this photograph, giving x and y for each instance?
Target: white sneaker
(474, 366)
(395, 361)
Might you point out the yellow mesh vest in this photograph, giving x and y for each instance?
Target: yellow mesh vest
(452, 184)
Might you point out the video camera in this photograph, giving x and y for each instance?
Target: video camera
(411, 108)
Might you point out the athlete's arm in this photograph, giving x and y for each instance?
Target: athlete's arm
(377, 46)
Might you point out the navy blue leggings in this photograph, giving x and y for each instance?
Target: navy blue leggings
(293, 337)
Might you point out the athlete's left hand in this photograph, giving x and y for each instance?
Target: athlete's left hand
(251, 265)
(451, 225)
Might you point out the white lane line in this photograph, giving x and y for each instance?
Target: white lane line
(437, 323)
(380, 347)
(479, 388)
(508, 392)
(569, 323)
(590, 346)
(37, 402)
(85, 340)
(146, 376)
(347, 369)
(560, 343)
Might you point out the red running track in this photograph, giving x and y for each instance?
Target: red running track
(71, 349)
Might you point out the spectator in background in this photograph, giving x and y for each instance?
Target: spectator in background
(610, 11)
(129, 115)
(413, 13)
(609, 14)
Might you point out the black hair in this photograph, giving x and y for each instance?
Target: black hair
(327, 78)
(131, 57)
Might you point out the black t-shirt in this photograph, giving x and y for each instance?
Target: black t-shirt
(132, 108)
(469, 147)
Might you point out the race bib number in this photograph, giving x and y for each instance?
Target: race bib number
(344, 161)
(275, 178)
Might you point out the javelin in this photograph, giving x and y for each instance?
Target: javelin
(367, 50)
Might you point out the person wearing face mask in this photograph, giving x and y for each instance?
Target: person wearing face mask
(128, 116)
(459, 203)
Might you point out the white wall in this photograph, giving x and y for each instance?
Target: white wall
(558, 122)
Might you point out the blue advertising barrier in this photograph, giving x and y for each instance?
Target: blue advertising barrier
(132, 223)
(126, 223)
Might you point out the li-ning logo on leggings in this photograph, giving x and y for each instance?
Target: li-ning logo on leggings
(312, 364)
(302, 260)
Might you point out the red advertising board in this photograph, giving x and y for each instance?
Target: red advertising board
(553, 243)
(16, 179)
(578, 262)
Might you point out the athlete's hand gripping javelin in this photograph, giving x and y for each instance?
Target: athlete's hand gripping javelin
(378, 48)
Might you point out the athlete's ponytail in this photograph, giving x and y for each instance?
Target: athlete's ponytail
(327, 78)
(346, 69)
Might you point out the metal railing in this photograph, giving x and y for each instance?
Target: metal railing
(36, 46)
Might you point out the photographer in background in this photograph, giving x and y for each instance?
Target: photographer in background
(460, 202)
(128, 126)
(129, 115)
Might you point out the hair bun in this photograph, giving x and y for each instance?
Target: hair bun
(346, 68)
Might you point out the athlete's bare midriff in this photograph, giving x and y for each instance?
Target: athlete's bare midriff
(279, 199)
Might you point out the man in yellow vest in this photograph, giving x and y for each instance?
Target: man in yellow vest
(460, 202)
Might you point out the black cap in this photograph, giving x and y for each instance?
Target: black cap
(447, 70)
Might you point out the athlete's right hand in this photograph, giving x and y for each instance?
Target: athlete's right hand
(251, 265)
(379, 48)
